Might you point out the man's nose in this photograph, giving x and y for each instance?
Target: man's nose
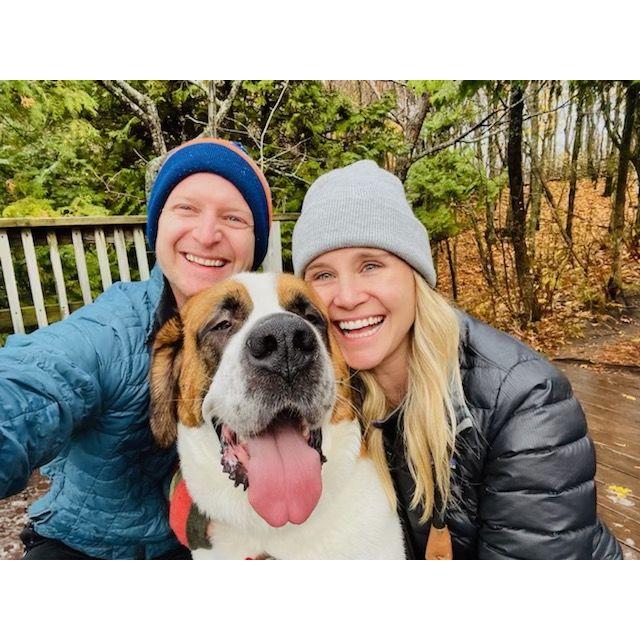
(208, 230)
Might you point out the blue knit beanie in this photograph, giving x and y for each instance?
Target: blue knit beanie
(226, 159)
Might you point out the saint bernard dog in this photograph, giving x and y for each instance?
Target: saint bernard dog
(250, 381)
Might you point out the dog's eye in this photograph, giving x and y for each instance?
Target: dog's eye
(223, 325)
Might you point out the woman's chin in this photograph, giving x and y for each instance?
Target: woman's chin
(361, 361)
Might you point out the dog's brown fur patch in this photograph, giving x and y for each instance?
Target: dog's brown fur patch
(179, 379)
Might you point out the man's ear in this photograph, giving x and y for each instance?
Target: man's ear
(164, 374)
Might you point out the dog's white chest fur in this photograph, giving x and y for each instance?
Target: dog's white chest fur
(353, 519)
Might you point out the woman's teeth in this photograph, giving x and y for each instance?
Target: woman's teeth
(348, 326)
(203, 261)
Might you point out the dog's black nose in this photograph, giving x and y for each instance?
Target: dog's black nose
(282, 343)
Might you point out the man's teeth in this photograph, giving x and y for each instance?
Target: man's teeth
(203, 261)
(352, 325)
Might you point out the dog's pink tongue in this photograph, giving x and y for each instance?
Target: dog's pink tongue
(284, 476)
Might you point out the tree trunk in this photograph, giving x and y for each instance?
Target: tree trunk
(567, 138)
(593, 163)
(452, 270)
(412, 128)
(534, 182)
(614, 285)
(554, 138)
(612, 158)
(636, 224)
(573, 180)
(531, 310)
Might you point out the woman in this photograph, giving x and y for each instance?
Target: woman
(76, 395)
(466, 424)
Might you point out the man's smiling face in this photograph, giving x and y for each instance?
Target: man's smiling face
(205, 234)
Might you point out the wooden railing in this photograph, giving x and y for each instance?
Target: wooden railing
(117, 244)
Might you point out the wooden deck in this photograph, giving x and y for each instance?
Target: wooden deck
(611, 402)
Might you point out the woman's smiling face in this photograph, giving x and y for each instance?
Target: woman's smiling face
(371, 299)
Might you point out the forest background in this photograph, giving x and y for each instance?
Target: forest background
(529, 189)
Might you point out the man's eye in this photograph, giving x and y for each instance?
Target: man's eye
(236, 221)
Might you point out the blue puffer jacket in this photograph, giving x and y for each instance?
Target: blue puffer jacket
(75, 395)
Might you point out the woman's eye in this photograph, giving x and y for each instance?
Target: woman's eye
(323, 275)
(370, 266)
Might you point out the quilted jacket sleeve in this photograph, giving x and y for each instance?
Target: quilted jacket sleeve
(49, 386)
(538, 497)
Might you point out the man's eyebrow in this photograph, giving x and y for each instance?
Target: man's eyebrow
(179, 198)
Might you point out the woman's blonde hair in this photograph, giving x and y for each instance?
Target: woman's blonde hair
(428, 407)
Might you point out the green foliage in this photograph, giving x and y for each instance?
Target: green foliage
(312, 131)
(57, 145)
(436, 186)
(82, 206)
(30, 207)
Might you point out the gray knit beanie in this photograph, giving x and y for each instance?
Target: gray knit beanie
(360, 205)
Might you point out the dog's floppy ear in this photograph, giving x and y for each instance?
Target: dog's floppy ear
(164, 372)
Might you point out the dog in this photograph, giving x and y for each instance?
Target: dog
(249, 380)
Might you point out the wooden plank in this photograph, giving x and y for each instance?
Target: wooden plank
(589, 378)
(34, 277)
(619, 491)
(628, 553)
(121, 254)
(58, 275)
(273, 259)
(10, 283)
(71, 221)
(100, 221)
(617, 459)
(103, 258)
(81, 266)
(141, 253)
(624, 529)
(611, 431)
(621, 410)
(29, 316)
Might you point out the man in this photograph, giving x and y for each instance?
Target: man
(75, 394)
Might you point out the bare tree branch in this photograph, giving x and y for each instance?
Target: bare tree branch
(266, 126)
(144, 107)
(228, 101)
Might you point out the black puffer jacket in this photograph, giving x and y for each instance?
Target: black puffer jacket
(524, 465)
